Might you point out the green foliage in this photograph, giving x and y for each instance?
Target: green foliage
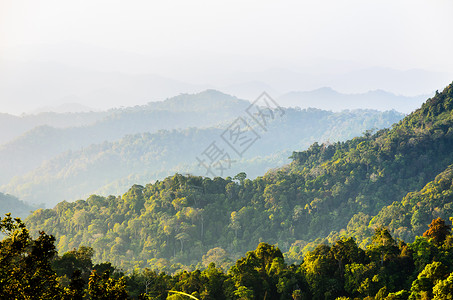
(328, 191)
(31, 269)
(408, 218)
(75, 261)
(103, 287)
(25, 264)
(444, 288)
(340, 271)
(395, 182)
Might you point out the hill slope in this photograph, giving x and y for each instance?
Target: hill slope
(18, 125)
(17, 208)
(30, 150)
(407, 218)
(323, 190)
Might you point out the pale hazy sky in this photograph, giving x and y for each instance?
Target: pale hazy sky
(192, 40)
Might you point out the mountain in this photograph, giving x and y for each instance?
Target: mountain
(84, 74)
(326, 191)
(17, 208)
(19, 125)
(329, 99)
(42, 143)
(111, 167)
(346, 78)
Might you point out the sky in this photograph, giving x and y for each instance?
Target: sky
(208, 43)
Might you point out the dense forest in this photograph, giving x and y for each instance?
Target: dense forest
(144, 143)
(385, 269)
(328, 191)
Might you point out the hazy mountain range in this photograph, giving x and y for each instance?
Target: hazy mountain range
(329, 99)
(85, 75)
(105, 152)
(63, 84)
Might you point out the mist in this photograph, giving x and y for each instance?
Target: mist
(108, 54)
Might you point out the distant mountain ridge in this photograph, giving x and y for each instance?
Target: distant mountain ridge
(69, 81)
(328, 99)
(323, 98)
(26, 152)
(15, 126)
(17, 208)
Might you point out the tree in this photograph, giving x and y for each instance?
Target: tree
(422, 287)
(346, 251)
(75, 260)
(383, 247)
(25, 264)
(241, 177)
(218, 256)
(444, 289)
(243, 293)
(257, 272)
(182, 237)
(319, 268)
(438, 231)
(235, 222)
(102, 287)
(214, 283)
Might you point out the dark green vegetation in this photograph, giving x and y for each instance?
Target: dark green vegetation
(407, 218)
(30, 268)
(145, 143)
(386, 269)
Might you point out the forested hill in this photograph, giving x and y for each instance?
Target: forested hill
(366, 173)
(406, 218)
(327, 190)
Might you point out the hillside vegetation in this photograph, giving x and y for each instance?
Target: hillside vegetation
(387, 269)
(327, 191)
